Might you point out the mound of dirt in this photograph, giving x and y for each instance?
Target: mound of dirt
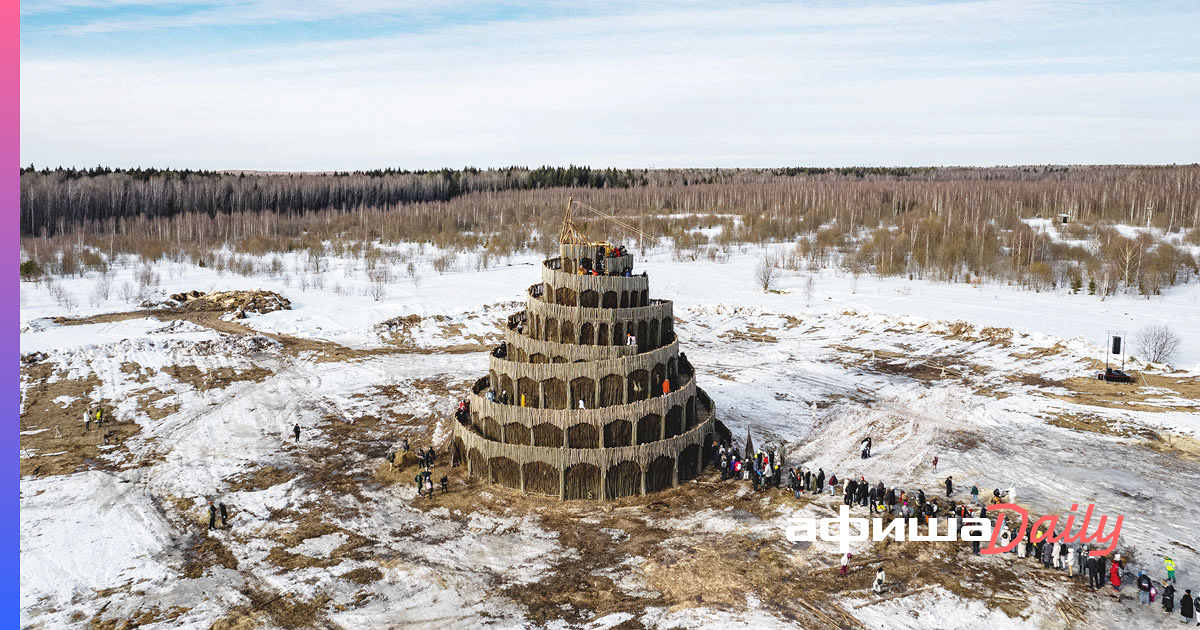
(237, 302)
(398, 324)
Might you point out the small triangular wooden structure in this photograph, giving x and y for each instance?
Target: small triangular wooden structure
(569, 234)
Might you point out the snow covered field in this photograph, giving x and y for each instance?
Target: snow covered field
(989, 379)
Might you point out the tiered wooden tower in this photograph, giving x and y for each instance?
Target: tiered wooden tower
(575, 409)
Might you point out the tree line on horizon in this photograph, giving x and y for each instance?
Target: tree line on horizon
(60, 199)
(950, 224)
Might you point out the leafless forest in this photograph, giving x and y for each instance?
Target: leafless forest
(948, 224)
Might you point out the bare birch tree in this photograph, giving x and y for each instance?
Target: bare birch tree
(1157, 343)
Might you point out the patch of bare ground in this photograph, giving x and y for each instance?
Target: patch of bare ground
(1180, 444)
(260, 479)
(140, 373)
(363, 575)
(961, 441)
(150, 401)
(690, 569)
(457, 331)
(1040, 352)
(142, 617)
(311, 526)
(1149, 392)
(757, 334)
(204, 551)
(215, 378)
(268, 610)
(874, 354)
(324, 351)
(1099, 424)
(998, 336)
(901, 366)
(1033, 380)
(54, 438)
(991, 392)
(441, 386)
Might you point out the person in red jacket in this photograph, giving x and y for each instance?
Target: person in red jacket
(1114, 575)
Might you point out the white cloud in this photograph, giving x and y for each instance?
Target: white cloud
(971, 83)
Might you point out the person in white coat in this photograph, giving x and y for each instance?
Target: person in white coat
(1005, 537)
(1055, 560)
(1071, 555)
(878, 585)
(1022, 549)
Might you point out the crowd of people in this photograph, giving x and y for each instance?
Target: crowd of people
(763, 470)
(425, 461)
(599, 266)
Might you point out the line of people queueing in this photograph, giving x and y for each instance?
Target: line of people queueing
(763, 471)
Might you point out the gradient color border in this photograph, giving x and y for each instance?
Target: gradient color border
(10, 193)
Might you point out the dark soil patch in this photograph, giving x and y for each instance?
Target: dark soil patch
(363, 575)
(205, 551)
(216, 378)
(58, 439)
(260, 479)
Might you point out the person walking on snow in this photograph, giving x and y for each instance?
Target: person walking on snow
(212, 516)
(1187, 607)
(224, 515)
(878, 586)
(1114, 577)
(845, 564)
(949, 483)
(974, 494)
(1071, 560)
(1168, 597)
(1143, 584)
(1170, 564)
(935, 463)
(296, 432)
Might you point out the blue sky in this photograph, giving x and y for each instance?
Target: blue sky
(310, 85)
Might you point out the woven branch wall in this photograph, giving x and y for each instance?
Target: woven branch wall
(575, 407)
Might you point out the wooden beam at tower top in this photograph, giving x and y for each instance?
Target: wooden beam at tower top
(568, 234)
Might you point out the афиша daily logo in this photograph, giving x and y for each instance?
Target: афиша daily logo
(804, 529)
